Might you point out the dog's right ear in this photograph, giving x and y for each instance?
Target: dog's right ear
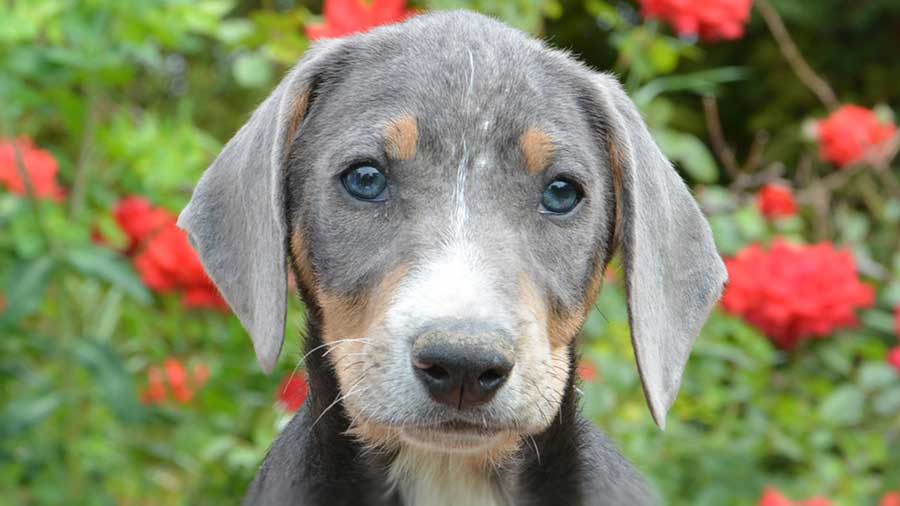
(236, 216)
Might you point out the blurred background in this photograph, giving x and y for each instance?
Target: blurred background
(126, 381)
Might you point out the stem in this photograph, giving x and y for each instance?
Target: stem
(31, 197)
(793, 56)
(82, 167)
(714, 127)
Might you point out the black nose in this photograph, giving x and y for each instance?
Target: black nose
(462, 370)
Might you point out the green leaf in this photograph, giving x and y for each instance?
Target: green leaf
(115, 383)
(704, 82)
(689, 153)
(25, 289)
(751, 224)
(879, 319)
(888, 402)
(25, 413)
(844, 406)
(109, 266)
(252, 70)
(876, 375)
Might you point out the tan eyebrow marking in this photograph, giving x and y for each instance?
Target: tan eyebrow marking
(538, 148)
(400, 138)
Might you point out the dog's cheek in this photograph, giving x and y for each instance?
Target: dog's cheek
(351, 330)
(564, 323)
(543, 367)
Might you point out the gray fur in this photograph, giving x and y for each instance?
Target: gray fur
(235, 219)
(473, 85)
(674, 274)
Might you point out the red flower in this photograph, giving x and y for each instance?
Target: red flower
(776, 201)
(155, 393)
(178, 381)
(292, 392)
(163, 254)
(853, 134)
(772, 497)
(39, 164)
(183, 385)
(140, 220)
(587, 371)
(346, 17)
(794, 292)
(712, 20)
(890, 499)
(168, 263)
(893, 358)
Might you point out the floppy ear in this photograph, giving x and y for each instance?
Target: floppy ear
(236, 217)
(673, 273)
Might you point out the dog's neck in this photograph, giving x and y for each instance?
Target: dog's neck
(425, 477)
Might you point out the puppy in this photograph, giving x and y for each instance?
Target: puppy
(448, 192)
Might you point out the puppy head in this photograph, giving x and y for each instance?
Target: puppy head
(449, 192)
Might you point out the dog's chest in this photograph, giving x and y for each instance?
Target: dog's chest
(423, 478)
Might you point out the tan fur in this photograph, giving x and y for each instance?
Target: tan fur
(400, 138)
(538, 149)
(615, 163)
(350, 319)
(298, 112)
(545, 359)
(301, 261)
(563, 326)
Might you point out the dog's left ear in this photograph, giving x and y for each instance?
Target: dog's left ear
(673, 273)
(236, 217)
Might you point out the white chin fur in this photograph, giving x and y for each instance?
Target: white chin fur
(465, 443)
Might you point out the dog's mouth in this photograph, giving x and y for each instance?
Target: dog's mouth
(456, 436)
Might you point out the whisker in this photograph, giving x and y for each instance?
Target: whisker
(332, 344)
(536, 451)
(340, 397)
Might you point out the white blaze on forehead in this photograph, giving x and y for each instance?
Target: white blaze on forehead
(454, 284)
(460, 213)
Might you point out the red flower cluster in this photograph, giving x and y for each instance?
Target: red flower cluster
(712, 20)
(163, 255)
(890, 499)
(893, 357)
(346, 17)
(183, 384)
(853, 134)
(772, 497)
(776, 201)
(39, 164)
(292, 392)
(794, 292)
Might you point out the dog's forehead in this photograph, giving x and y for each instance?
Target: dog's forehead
(481, 79)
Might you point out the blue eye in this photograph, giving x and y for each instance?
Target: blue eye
(365, 182)
(560, 197)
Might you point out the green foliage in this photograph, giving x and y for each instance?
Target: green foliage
(138, 97)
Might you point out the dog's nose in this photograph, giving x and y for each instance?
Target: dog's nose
(462, 367)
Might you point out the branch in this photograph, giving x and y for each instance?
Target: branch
(714, 127)
(798, 64)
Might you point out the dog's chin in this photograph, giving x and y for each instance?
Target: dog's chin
(456, 438)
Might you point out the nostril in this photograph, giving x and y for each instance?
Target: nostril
(492, 379)
(436, 373)
(431, 371)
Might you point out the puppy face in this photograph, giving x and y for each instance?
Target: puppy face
(451, 217)
(449, 191)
